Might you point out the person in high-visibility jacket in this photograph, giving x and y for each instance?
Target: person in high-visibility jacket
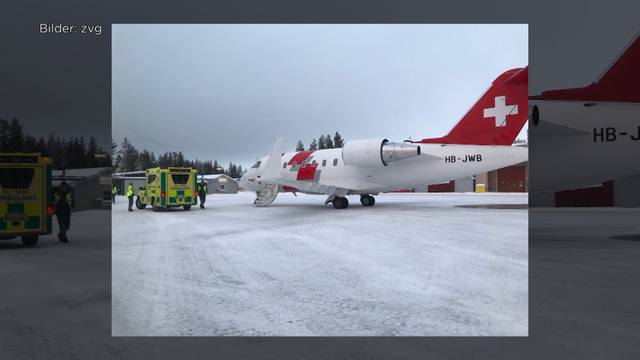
(130, 192)
(114, 192)
(63, 202)
(202, 192)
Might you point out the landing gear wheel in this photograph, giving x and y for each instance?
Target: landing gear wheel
(29, 240)
(139, 204)
(187, 207)
(340, 203)
(367, 200)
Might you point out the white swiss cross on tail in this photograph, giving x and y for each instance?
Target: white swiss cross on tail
(500, 111)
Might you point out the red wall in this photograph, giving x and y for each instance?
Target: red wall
(446, 187)
(593, 196)
(512, 179)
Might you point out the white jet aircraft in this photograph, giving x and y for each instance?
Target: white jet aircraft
(584, 136)
(481, 141)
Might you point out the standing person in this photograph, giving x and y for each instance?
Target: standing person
(114, 192)
(202, 192)
(130, 192)
(63, 202)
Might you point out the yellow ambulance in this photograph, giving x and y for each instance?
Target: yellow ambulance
(168, 187)
(26, 198)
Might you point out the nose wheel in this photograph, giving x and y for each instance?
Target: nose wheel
(367, 200)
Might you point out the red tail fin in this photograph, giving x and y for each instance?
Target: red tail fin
(497, 117)
(619, 83)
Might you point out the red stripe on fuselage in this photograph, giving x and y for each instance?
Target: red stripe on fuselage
(299, 157)
(306, 172)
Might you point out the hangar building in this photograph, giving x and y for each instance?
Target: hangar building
(220, 184)
(513, 178)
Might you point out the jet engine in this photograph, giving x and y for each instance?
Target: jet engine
(376, 152)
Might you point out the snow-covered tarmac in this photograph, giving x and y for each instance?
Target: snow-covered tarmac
(414, 264)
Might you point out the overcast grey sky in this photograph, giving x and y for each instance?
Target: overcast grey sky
(227, 92)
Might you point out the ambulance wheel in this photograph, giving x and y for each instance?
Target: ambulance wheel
(367, 200)
(340, 202)
(139, 204)
(29, 240)
(187, 207)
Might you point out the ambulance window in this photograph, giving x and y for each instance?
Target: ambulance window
(180, 178)
(256, 165)
(16, 178)
(335, 162)
(151, 179)
(284, 165)
(324, 162)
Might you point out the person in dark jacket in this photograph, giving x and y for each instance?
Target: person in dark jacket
(202, 192)
(63, 200)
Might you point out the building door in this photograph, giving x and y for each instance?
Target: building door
(512, 179)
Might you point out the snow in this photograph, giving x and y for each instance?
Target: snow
(414, 264)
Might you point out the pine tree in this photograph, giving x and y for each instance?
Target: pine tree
(81, 153)
(153, 161)
(322, 142)
(129, 156)
(29, 144)
(16, 136)
(144, 160)
(56, 150)
(162, 160)
(300, 146)
(313, 145)
(92, 151)
(42, 146)
(231, 171)
(115, 155)
(338, 142)
(180, 159)
(328, 142)
(4, 135)
(207, 168)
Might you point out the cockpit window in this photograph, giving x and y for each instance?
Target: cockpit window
(256, 165)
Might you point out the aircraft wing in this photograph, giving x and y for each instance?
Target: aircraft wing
(309, 186)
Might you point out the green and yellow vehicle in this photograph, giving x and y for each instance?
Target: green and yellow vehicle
(26, 198)
(168, 187)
